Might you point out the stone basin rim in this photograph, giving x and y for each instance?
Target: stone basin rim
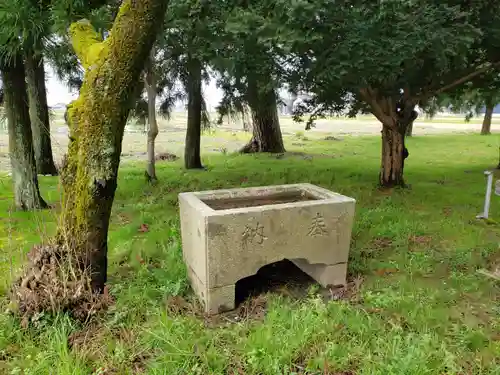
(320, 194)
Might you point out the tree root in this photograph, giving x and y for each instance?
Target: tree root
(251, 147)
(53, 282)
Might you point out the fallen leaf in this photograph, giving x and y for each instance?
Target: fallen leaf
(386, 271)
(139, 258)
(144, 228)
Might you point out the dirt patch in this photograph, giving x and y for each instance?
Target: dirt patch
(492, 272)
(84, 341)
(385, 192)
(122, 219)
(166, 156)
(332, 138)
(447, 211)
(305, 155)
(300, 365)
(254, 308)
(53, 282)
(88, 342)
(178, 305)
(375, 246)
(381, 243)
(419, 241)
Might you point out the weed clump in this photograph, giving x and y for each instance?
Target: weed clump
(53, 281)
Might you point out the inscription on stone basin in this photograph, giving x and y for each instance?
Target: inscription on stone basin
(253, 234)
(230, 234)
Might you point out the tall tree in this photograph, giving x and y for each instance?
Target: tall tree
(30, 22)
(26, 192)
(188, 42)
(250, 68)
(386, 57)
(97, 121)
(151, 89)
(15, 16)
(488, 115)
(261, 97)
(39, 112)
(192, 150)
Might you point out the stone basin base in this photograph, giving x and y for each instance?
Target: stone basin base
(230, 234)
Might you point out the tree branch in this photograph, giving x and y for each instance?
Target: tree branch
(459, 81)
(369, 96)
(86, 42)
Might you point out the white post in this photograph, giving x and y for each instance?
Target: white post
(487, 198)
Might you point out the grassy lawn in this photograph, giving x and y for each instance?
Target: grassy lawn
(419, 306)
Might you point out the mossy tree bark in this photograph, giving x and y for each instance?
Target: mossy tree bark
(192, 158)
(266, 126)
(97, 120)
(26, 192)
(150, 79)
(488, 115)
(39, 113)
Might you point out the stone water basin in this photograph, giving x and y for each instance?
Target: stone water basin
(230, 234)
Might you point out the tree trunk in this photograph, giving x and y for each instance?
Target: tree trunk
(409, 130)
(153, 124)
(97, 120)
(488, 115)
(192, 159)
(39, 114)
(26, 193)
(498, 166)
(246, 118)
(394, 153)
(293, 98)
(266, 126)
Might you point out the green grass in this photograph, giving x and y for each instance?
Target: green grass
(422, 307)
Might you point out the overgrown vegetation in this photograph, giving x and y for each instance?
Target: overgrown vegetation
(417, 306)
(414, 303)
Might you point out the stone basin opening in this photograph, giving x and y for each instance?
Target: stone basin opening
(282, 277)
(263, 199)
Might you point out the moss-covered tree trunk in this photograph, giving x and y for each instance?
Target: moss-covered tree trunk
(488, 115)
(394, 153)
(265, 120)
(153, 124)
(97, 121)
(22, 158)
(39, 114)
(192, 158)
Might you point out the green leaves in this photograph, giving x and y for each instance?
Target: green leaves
(387, 45)
(23, 21)
(35, 22)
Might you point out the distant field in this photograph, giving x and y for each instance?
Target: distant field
(229, 136)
